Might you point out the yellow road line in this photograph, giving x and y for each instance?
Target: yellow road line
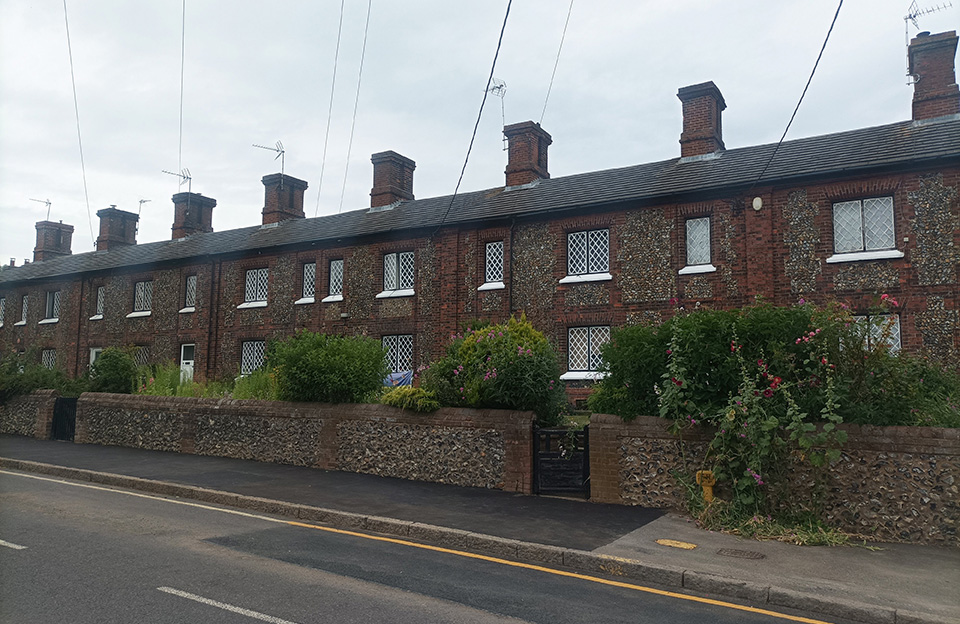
(459, 553)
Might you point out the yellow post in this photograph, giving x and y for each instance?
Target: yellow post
(706, 480)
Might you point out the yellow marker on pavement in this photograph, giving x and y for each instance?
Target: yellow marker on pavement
(676, 544)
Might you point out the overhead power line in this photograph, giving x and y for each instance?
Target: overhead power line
(183, 39)
(76, 110)
(473, 137)
(556, 63)
(333, 86)
(356, 103)
(807, 86)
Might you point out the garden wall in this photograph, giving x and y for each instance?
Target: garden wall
(890, 484)
(29, 414)
(479, 448)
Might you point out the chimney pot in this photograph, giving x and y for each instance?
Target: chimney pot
(53, 240)
(392, 178)
(192, 213)
(702, 130)
(527, 145)
(282, 198)
(935, 91)
(117, 228)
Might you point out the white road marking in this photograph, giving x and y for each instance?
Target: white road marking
(12, 545)
(226, 607)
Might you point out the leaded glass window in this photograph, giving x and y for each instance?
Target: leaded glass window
(398, 271)
(399, 352)
(494, 262)
(48, 358)
(53, 305)
(252, 356)
(309, 279)
(23, 309)
(143, 297)
(101, 296)
(336, 277)
(3, 309)
(583, 347)
(698, 241)
(880, 329)
(256, 285)
(588, 252)
(863, 225)
(141, 356)
(190, 294)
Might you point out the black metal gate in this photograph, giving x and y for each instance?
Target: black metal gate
(64, 419)
(561, 462)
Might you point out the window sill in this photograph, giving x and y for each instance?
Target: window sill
(589, 277)
(20, 324)
(404, 292)
(139, 314)
(491, 286)
(331, 298)
(188, 310)
(48, 321)
(885, 254)
(578, 375)
(697, 268)
(96, 317)
(252, 304)
(303, 301)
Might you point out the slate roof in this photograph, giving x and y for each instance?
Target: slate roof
(905, 143)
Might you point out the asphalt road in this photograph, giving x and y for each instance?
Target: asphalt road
(79, 553)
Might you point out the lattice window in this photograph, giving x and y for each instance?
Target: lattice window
(398, 271)
(698, 241)
(863, 225)
(252, 356)
(309, 279)
(23, 309)
(48, 358)
(406, 270)
(336, 277)
(880, 329)
(190, 294)
(101, 296)
(399, 352)
(3, 309)
(583, 347)
(141, 356)
(390, 270)
(143, 297)
(494, 264)
(588, 252)
(53, 305)
(256, 285)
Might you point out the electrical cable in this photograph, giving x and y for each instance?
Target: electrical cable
(76, 110)
(556, 63)
(333, 85)
(479, 115)
(356, 103)
(183, 32)
(807, 86)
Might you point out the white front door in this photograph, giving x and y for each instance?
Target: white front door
(186, 362)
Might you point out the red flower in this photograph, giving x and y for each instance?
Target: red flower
(768, 393)
(676, 381)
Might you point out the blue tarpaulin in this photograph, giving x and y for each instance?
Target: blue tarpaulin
(404, 378)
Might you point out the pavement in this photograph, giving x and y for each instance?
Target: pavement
(876, 583)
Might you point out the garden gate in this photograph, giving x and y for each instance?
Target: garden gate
(64, 419)
(561, 461)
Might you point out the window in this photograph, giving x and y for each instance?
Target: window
(3, 309)
(880, 329)
(252, 356)
(588, 256)
(52, 310)
(698, 247)
(493, 271)
(142, 299)
(48, 358)
(309, 279)
(23, 310)
(398, 273)
(399, 352)
(95, 354)
(190, 295)
(335, 282)
(187, 359)
(101, 295)
(583, 351)
(863, 230)
(141, 356)
(255, 290)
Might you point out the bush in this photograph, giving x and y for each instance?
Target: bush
(507, 366)
(408, 397)
(20, 373)
(114, 371)
(329, 369)
(260, 384)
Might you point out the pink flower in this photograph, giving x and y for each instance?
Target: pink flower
(884, 297)
(768, 393)
(669, 351)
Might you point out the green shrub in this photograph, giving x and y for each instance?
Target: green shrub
(21, 373)
(114, 371)
(260, 384)
(408, 397)
(508, 366)
(329, 369)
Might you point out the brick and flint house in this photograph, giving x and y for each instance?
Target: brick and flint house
(845, 217)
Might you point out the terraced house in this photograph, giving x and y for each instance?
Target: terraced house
(844, 216)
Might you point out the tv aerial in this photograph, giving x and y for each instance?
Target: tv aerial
(185, 178)
(499, 88)
(278, 148)
(142, 202)
(43, 201)
(913, 12)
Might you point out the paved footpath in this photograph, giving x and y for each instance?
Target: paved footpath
(896, 584)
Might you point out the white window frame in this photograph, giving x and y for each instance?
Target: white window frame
(695, 253)
(308, 289)
(593, 332)
(396, 281)
(24, 307)
(493, 266)
(334, 281)
(393, 344)
(596, 262)
(865, 250)
(252, 356)
(142, 299)
(51, 312)
(98, 311)
(95, 354)
(48, 358)
(256, 288)
(141, 355)
(875, 327)
(189, 295)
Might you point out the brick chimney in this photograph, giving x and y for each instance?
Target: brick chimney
(282, 198)
(117, 228)
(527, 153)
(192, 213)
(53, 240)
(935, 91)
(392, 179)
(702, 131)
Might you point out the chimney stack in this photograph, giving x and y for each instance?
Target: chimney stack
(527, 153)
(53, 240)
(283, 198)
(702, 131)
(117, 228)
(192, 213)
(392, 179)
(935, 92)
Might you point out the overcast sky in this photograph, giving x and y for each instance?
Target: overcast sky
(259, 72)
